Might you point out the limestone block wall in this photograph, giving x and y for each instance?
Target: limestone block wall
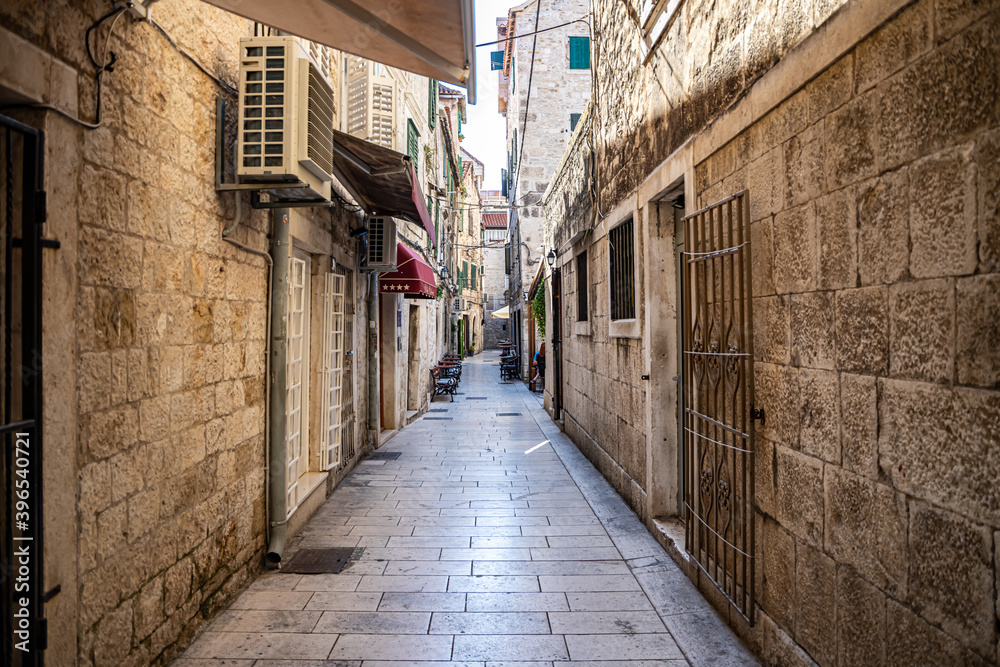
(873, 195)
(876, 298)
(159, 329)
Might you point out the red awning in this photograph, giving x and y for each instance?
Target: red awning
(383, 181)
(413, 277)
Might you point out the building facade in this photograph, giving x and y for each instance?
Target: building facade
(495, 278)
(855, 144)
(538, 127)
(171, 304)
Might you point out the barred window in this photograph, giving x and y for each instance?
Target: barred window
(582, 295)
(621, 250)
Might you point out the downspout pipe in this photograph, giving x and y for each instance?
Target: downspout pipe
(277, 470)
(373, 358)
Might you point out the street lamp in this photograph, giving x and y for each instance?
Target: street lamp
(551, 257)
(444, 272)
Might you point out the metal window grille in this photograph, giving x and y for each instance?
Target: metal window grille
(22, 211)
(582, 296)
(621, 248)
(297, 385)
(718, 390)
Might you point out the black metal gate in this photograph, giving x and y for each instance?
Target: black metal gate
(718, 389)
(21, 554)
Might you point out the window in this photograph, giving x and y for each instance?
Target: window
(655, 18)
(297, 382)
(496, 60)
(579, 52)
(412, 143)
(621, 250)
(474, 272)
(432, 103)
(582, 295)
(465, 273)
(574, 118)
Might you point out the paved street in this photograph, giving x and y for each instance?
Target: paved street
(480, 548)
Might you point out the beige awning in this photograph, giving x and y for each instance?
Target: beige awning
(435, 38)
(502, 314)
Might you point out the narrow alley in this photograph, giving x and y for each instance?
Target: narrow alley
(490, 540)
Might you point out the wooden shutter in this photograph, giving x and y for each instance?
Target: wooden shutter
(574, 118)
(579, 53)
(412, 142)
(474, 272)
(371, 103)
(432, 103)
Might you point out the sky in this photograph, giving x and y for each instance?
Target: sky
(485, 128)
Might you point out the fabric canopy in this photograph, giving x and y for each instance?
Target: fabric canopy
(502, 314)
(413, 276)
(383, 181)
(435, 38)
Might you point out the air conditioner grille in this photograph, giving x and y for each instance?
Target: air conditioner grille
(320, 137)
(376, 241)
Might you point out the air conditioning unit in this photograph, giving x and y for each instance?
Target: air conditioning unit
(459, 305)
(380, 252)
(286, 119)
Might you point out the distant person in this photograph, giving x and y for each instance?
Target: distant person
(539, 364)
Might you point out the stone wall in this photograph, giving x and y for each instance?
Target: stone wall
(160, 329)
(876, 297)
(873, 197)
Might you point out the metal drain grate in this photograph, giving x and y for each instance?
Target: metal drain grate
(318, 561)
(438, 410)
(442, 419)
(380, 455)
(476, 398)
(508, 414)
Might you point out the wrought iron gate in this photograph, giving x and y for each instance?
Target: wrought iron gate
(719, 409)
(21, 574)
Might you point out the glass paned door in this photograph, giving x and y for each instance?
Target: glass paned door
(297, 378)
(334, 352)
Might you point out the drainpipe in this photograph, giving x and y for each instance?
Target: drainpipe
(276, 488)
(373, 378)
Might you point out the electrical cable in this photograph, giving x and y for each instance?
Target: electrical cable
(529, 34)
(191, 58)
(96, 24)
(527, 97)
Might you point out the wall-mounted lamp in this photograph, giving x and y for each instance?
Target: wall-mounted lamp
(444, 272)
(525, 295)
(551, 257)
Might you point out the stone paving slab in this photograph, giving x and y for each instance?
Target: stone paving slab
(489, 542)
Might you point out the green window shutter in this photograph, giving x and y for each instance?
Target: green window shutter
(474, 272)
(465, 272)
(412, 143)
(574, 118)
(437, 217)
(496, 60)
(432, 103)
(429, 209)
(503, 180)
(579, 52)
(461, 221)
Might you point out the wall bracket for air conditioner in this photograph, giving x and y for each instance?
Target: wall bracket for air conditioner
(254, 188)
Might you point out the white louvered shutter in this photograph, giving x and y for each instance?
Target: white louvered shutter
(371, 103)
